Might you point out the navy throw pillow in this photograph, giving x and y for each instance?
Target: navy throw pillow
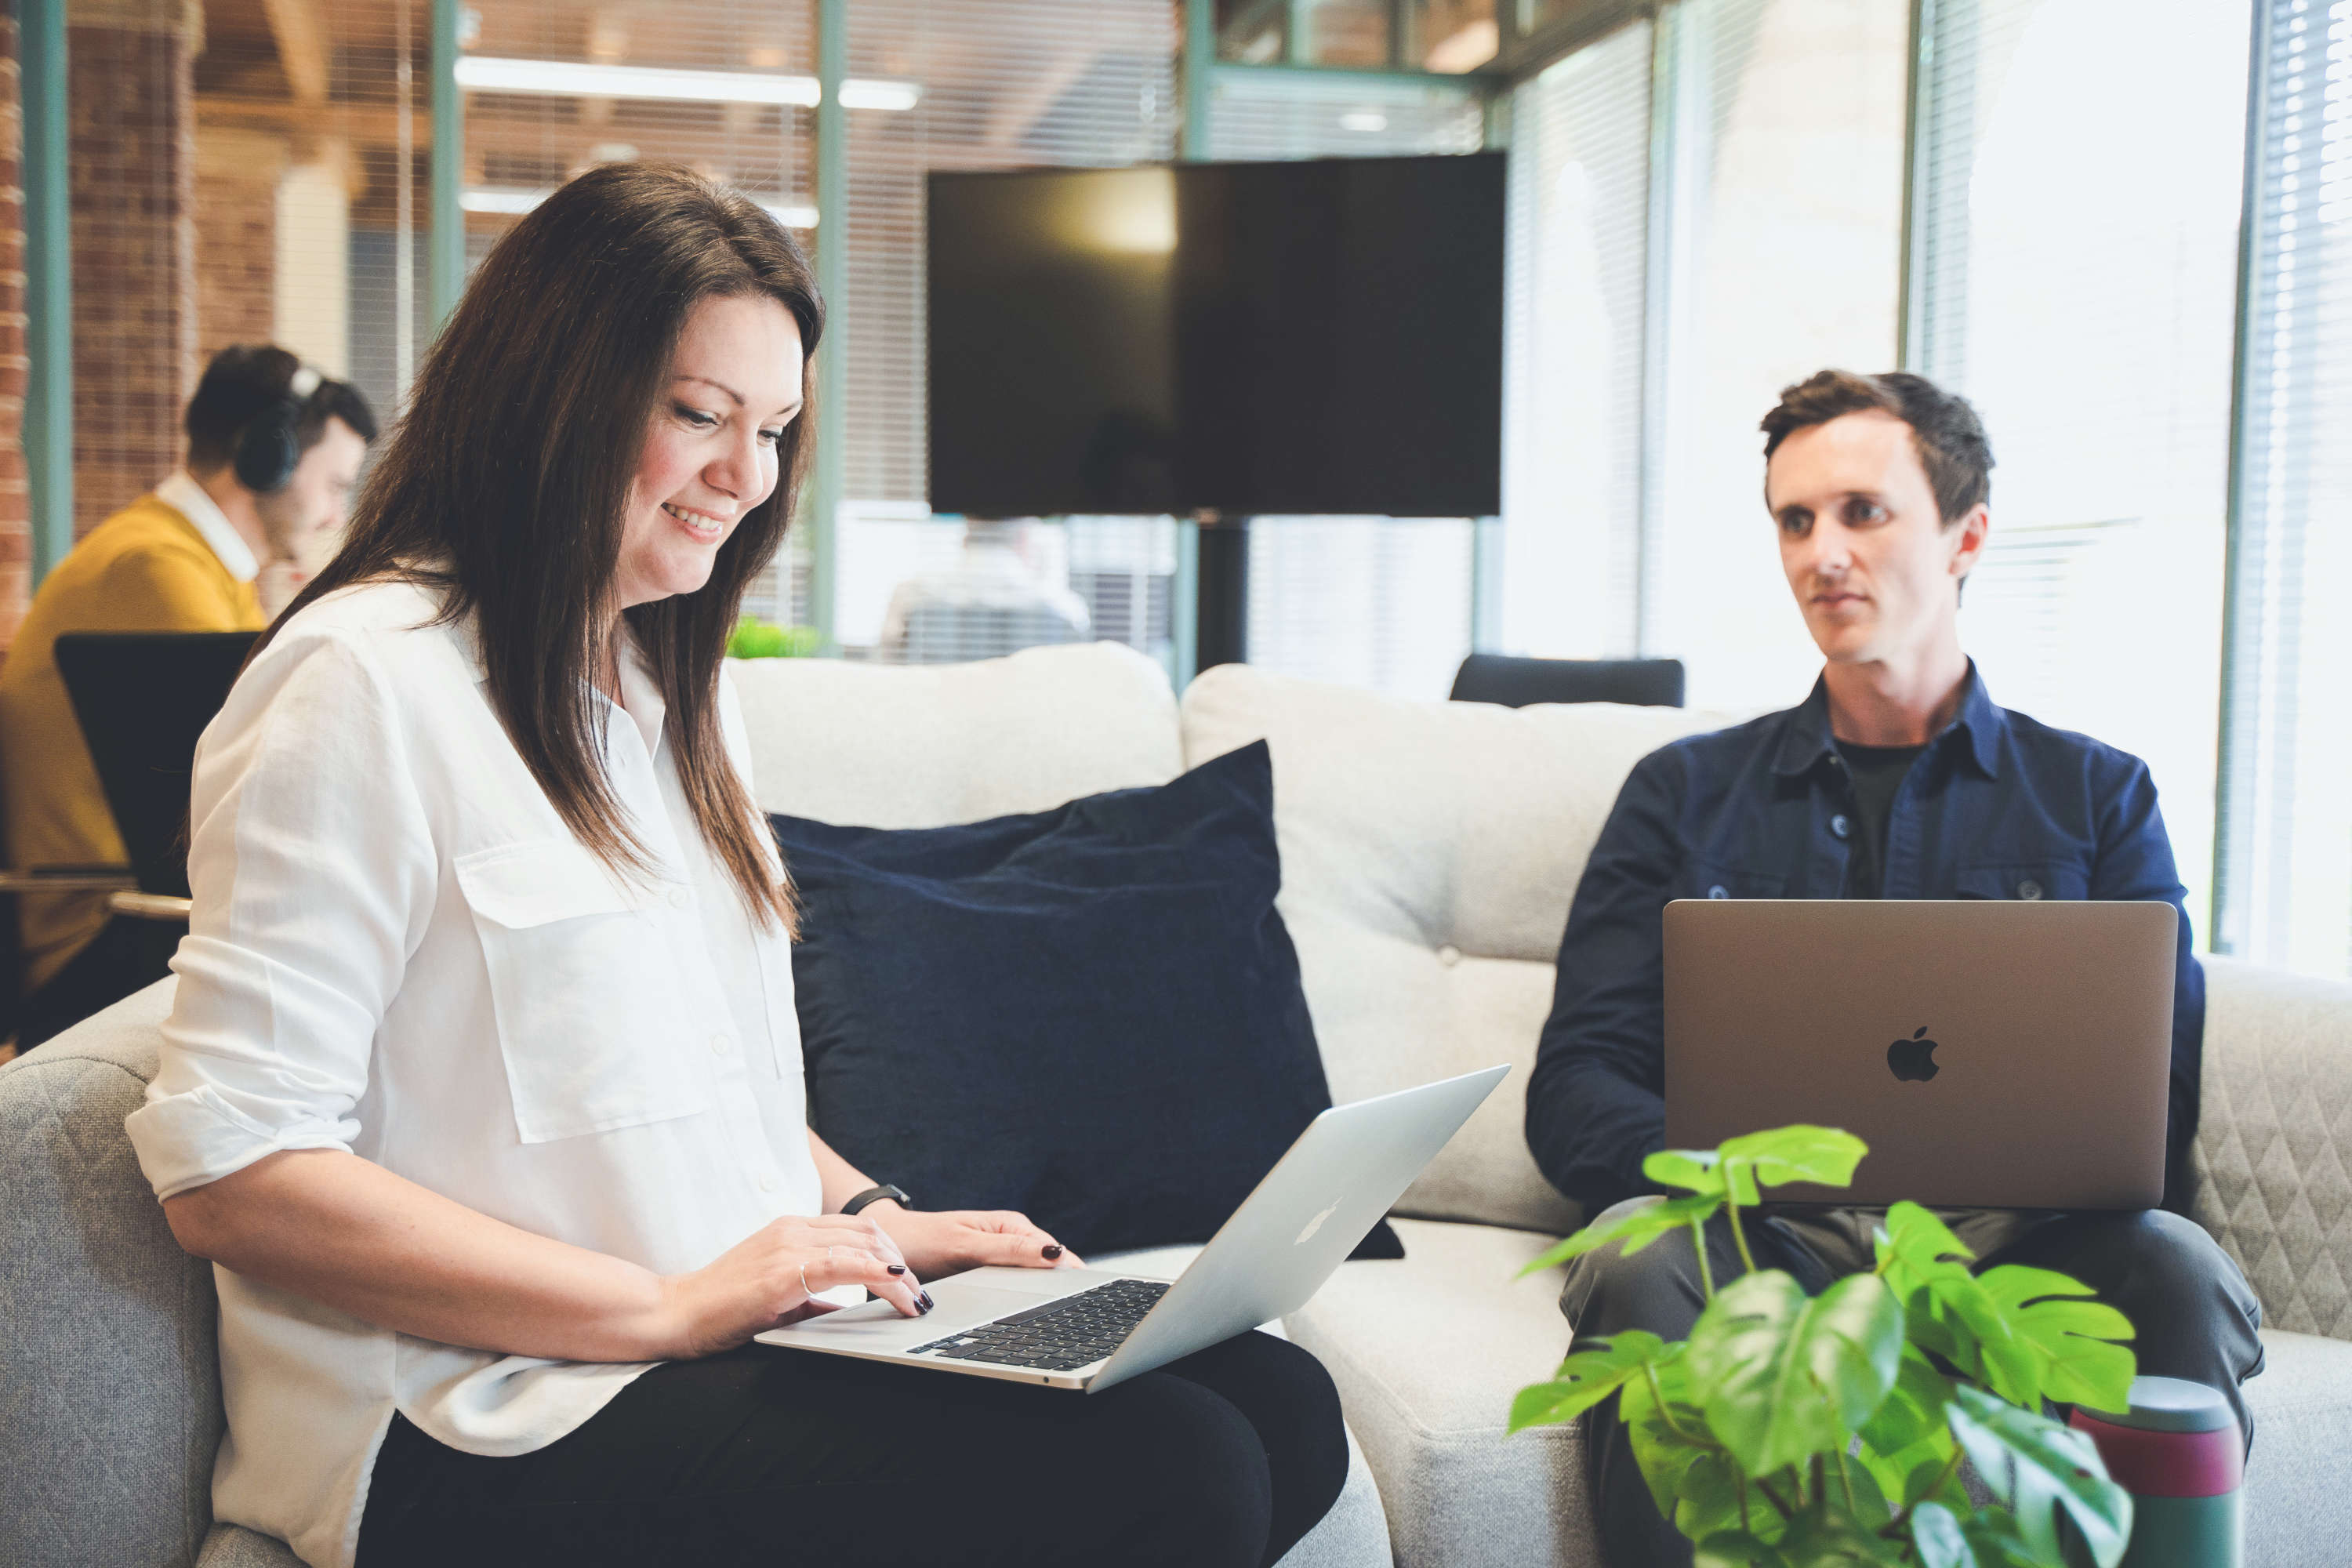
(1092, 1014)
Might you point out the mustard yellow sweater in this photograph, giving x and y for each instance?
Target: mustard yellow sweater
(146, 569)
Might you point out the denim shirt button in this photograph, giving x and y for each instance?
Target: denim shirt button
(1840, 825)
(1719, 891)
(2029, 890)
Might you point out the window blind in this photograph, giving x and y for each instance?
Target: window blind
(2286, 819)
(1016, 84)
(1578, 216)
(1780, 197)
(2085, 304)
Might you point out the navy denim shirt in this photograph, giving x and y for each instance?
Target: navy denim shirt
(1998, 807)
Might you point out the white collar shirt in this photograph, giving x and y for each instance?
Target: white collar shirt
(398, 949)
(184, 495)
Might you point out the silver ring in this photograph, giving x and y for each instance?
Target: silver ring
(805, 1284)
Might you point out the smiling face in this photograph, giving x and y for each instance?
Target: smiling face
(711, 447)
(1874, 568)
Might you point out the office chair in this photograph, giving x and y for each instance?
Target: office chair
(1520, 682)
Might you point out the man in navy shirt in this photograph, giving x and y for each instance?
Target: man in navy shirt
(1898, 777)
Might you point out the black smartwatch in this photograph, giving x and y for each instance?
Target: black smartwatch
(875, 1195)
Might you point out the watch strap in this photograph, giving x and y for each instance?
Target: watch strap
(876, 1194)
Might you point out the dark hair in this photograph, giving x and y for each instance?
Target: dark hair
(1945, 429)
(244, 379)
(504, 482)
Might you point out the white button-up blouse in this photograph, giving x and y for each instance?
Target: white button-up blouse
(398, 949)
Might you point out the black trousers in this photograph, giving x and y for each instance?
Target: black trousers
(2195, 1314)
(780, 1457)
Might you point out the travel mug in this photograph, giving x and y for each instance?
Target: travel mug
(2178, 1452)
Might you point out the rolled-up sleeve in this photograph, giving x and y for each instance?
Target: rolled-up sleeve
(312, 868)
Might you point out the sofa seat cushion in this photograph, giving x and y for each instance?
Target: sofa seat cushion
(921, 746)
(1427, 1352)
(2299, 1480)
(1429, 852)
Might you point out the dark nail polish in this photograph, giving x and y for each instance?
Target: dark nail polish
(898, 1269)
(927, 1303)
(1052, 1250)
(923, 1306)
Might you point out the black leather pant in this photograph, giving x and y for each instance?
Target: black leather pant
(2195, 1314)
(769, 1457)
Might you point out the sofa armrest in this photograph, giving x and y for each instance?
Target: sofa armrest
(2275, 1140)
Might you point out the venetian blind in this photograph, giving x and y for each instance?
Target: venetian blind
(2286, 821)
(2085, 304)
(1367, 601)
(1572, 352)
(1781, 203)
(1007, 85)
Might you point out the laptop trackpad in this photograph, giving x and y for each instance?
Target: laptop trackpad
(878, 1325)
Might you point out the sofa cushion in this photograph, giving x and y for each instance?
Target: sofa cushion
(1091, 1015)
(110, 1391)
(1429, 852)
(2299, 1478)
(2275, 1140)
(1427, 1352)
(908, 746)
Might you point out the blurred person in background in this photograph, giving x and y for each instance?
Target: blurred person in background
(273, 450)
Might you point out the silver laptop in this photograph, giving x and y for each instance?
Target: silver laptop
(1992, 1054)
(1091, 1328)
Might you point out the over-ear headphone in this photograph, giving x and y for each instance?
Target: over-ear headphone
(269, 445)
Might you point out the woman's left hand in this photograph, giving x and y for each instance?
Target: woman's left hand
(937, 1245)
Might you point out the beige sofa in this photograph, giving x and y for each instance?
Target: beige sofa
(1429, 852)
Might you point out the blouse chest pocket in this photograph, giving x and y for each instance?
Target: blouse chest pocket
(586, 994)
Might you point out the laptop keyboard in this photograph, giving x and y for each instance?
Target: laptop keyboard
(1060, 1336)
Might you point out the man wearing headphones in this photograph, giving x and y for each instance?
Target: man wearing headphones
(273, 450)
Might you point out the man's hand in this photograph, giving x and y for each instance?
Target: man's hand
(937, 1245)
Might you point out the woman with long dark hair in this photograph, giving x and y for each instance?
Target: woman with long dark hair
(482, 1085)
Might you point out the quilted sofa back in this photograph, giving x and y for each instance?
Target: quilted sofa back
(1429, 853)
(110, 1388)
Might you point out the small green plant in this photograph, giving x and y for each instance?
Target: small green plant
(756, 638)
(1791, 1431)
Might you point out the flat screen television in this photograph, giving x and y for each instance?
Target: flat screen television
(1316, 337)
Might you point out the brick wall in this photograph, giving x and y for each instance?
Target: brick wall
(132, 176)
(16, 496)
(236, 237)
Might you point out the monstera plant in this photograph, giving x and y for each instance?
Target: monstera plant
(1796, 1431)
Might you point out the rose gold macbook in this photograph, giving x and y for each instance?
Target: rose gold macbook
(1992, 1054)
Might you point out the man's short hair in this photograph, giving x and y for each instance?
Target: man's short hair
(244, 379)
(1945, 429)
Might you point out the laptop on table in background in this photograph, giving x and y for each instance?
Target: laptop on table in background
(1090, 1329)
(1992, 1054)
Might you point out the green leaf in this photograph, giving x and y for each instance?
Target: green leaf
(1637, 1227)
(1936, 1532)
(1799, 1153)
(1950, 1312)
(1735, 1549)
(1906, 1445)
(1706, 1501)
(1588, 1376)
(2069, 1336)
(1782, 1375)
(1702, 1171)
(1827, 1538)
(1668, 1440)
(1997, 1542)
(2052, 1462)
(1913, 1244)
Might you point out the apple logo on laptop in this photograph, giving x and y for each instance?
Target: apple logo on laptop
(1314, 1224)
(1913, 1060)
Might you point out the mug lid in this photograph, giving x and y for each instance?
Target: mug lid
(2172, 1405)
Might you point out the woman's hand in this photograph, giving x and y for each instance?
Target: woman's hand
(769, 1280)
(936, 1245)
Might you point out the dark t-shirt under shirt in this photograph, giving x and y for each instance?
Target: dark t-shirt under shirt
(1877, 773)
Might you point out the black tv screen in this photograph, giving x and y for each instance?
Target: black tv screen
(1244, 337)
